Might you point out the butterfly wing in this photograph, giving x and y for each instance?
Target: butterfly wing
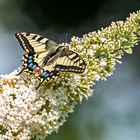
(70, 61)
(66, 60)
(34, 43)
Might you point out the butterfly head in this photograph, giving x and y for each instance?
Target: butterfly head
(63, 48)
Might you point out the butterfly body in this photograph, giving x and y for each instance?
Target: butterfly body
(46, 59)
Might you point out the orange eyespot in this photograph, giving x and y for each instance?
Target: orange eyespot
(39, 72)
(36, 69)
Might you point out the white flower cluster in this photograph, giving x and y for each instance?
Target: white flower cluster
(26, 112)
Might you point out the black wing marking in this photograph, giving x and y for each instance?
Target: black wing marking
(33, 43)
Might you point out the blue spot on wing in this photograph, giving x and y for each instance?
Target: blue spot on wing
(30, 57)
(46, 75)
(51, 74)
(34, 66)
(31, 65)
(43, 74)
(30, 60)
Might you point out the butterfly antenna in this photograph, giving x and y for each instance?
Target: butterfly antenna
(66, 37)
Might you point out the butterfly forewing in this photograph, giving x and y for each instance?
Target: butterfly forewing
(69, 61)
(34, 43)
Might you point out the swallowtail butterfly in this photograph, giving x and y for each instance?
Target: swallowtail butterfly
(46, 59)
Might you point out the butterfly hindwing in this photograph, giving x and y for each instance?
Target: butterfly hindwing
(30, 66)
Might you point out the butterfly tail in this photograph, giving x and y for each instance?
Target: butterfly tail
(23, 68)
(40, 84)
(19, 72)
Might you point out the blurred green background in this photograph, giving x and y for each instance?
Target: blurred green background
(113, 112)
